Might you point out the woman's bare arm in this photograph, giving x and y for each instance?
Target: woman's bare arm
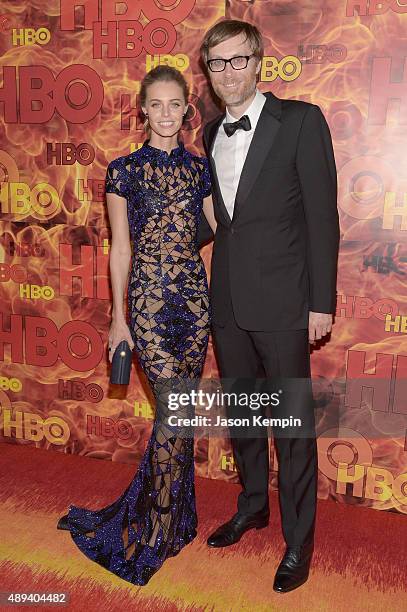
(119, 261)
(209, 213)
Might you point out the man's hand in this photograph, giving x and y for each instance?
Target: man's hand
(319, 324)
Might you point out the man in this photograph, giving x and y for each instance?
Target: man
(273, 275)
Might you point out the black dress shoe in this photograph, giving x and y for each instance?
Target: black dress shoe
(63, 523)
(231, 532)
(294, 568)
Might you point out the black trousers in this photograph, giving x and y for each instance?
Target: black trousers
(242, 357)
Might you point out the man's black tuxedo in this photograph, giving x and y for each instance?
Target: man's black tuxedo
(277, 258)
(275, 261)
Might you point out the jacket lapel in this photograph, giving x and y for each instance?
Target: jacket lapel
(262, 141)
(212, 130)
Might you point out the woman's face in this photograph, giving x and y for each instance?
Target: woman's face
(165, 106)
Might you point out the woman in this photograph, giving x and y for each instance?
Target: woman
(155, 197)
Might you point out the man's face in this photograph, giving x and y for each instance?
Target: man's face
(234, 87)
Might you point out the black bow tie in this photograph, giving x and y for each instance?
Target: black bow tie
(242, 124)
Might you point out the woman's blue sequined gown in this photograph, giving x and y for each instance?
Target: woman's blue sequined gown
(168, 302)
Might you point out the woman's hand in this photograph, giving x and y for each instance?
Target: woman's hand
(119, 331)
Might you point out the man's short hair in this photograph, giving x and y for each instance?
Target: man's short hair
(228, 28)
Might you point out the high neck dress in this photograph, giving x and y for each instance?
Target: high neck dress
(169, 319)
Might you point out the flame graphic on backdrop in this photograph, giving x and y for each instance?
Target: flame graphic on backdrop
(83, 222)
(340, 88)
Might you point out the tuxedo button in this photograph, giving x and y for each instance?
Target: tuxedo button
(232, 231)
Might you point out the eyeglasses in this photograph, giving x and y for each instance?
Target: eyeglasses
(239, 62)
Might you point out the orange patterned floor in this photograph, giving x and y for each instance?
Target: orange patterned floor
(358, 562)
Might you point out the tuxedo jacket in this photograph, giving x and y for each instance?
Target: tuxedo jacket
(276, 259)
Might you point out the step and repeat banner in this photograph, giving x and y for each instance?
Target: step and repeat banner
(69, 81)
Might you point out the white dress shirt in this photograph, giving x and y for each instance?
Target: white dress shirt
(229, 152)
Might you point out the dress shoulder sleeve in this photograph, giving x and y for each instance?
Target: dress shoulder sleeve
(206, 178)
(116, 178)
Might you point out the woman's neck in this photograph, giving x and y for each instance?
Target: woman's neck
(165, 143)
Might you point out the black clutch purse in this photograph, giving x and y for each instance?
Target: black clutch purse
(121, 364)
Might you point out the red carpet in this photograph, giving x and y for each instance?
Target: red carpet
(359, 560)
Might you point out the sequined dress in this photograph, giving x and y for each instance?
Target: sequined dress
(169, 316)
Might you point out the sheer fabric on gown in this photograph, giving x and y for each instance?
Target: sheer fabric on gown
(169, 317)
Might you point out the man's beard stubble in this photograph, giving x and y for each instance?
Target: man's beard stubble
(236, 98)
